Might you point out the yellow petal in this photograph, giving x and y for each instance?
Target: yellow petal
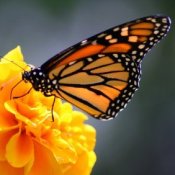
(4, 138)
(15, 54)
(31, 143)
(4, 72)
(44, 163)
(29, 166)
(19, 150)
(78, 118)
(84, 165)
(6, 169)
(62, 150)
(7, 122)
(14, 61)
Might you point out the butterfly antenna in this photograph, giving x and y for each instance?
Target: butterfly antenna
(13, 63)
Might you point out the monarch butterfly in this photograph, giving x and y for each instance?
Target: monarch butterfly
(100, 74)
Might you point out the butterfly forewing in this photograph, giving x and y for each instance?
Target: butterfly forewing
(136, 38)
(101, 74)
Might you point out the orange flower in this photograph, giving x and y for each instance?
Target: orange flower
(30, 142)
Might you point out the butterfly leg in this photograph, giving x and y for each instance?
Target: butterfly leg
(14, 88)
(53, 108)
(23, 94)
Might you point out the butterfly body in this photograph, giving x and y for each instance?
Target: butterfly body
(101, 74)
(40, 81)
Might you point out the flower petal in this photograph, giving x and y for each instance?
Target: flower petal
(31, 143)
(8, 123)
(29, 166)
(19, 150)
(4, 72)
(84, 165)
(62, 150)
(15, 54)
(45, 163)
(4, 138)
(6, 169)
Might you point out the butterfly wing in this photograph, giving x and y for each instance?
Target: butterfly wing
(135, 38)
(101, 74)
(100, 85)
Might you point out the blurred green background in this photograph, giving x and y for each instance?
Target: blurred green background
(141, 140)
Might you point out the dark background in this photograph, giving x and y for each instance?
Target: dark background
(141, 140)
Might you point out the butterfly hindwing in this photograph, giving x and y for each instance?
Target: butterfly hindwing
(100, 85)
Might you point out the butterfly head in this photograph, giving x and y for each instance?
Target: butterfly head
(38, 79)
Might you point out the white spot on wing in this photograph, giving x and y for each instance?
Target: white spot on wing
(164, 20)
(141, 46)
(116, 29)
(83, 42)
(101, 35)
(108, 37)
(89, 59)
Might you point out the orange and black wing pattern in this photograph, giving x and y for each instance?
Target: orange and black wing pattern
(100, 74)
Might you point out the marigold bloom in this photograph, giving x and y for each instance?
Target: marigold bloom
(30, 142)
